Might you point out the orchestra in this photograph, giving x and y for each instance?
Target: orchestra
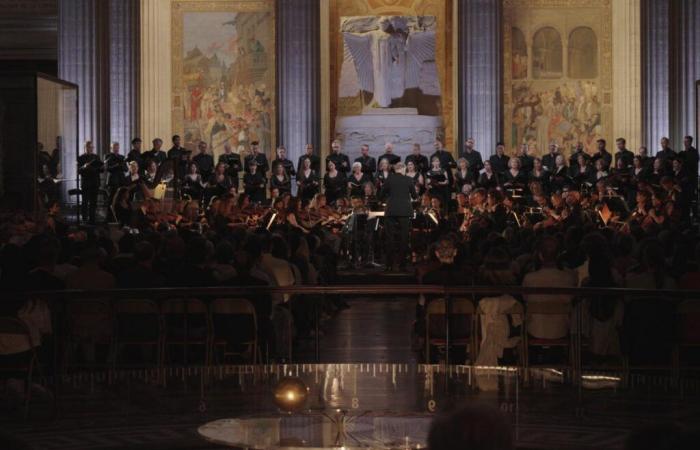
(633, 193)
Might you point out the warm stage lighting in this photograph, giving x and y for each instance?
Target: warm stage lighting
(291, 394)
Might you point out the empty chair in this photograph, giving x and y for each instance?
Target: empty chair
(18, 354)
(87, 333)
(186, 324)
(137, 324)
(234, 329)
(461, 326)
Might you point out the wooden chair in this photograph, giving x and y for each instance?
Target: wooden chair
(138, 323)
(224, 311)
(687, 320)
(554, 308)
(461, 316)
(184, 319)
(22, 362)
(87, 323)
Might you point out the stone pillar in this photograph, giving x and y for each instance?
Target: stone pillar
(479, 73)
(83, 58)
(627, 89)
(656, 119)
(156, 82)
(298, 76)
(686, 69)
(124, 70)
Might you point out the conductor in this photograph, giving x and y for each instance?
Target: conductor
(398, 190)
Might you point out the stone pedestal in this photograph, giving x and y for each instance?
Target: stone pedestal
(377, 128)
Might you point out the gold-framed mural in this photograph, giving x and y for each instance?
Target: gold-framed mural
(557, 73)
(223, 73)
(428, 15)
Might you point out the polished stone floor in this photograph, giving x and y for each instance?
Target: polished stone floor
(379, 373)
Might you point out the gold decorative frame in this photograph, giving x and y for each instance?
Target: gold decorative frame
(567, 9)
(441, 9)
(177, 18)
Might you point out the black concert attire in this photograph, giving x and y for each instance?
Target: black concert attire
(527, 162)
(487, 181)
(667, 155)
(138, 158)
(626, 156)
(192, 186)
(260, 160)
(419, 161)
(560, 179)
(89, 168)
(398, 192)
(369, 164)
(284, 185)
(159, 156)
(233, 166)
(582, 176)
(499, 164)
(50, 160)
(462, 179)
(447, 162)
(180, 157)
(543, 178)
(287, 164)
(604, 155)
(517, 180)
(379, 180)
(549, 161)
(335, 187)
(433, 177)
(475, 162)
(357, 185)
(115, 164)
(308, 184)
(254, 184)
(416, 182)
(219, 185)
(392, 158)
(341, 161)
(315, 163)
(573, 159)
(205, 164)
(46, 185)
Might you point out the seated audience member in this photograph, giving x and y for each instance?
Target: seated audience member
(90, 275)
(471, 427)
(549, 275)
(141, 274)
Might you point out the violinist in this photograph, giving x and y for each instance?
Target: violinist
(334, 183)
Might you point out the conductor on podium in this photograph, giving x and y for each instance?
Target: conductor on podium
(398, 190)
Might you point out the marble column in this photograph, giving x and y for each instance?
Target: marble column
(83, 58)
(298, 76)
(155, 78)
(656, 119)
(686, 69)
(479, 73)
(124, 70)
(627, 88)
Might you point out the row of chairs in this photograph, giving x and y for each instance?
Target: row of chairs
(466, 331)
(221, 329)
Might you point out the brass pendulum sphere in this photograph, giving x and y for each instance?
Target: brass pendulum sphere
(291, 394)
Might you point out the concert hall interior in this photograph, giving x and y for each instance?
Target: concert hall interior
(379, 224)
